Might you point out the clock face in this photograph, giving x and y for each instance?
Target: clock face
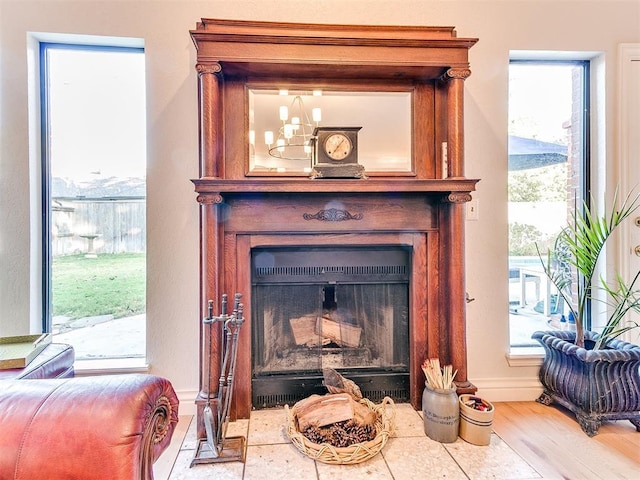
(337, 146)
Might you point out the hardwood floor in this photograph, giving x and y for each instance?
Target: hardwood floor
(551, 441)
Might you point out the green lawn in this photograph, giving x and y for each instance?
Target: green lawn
(109, 284)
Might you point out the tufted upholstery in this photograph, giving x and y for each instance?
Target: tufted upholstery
(85, 428)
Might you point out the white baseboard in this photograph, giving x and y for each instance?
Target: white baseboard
(187, 400)
(508, 389)
(492, 389)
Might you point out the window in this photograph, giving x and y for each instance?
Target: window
(548, 153)
(94, 198)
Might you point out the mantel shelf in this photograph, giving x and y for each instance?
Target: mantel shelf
(213, 185)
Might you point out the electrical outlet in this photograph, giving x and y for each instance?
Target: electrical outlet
(472, 210)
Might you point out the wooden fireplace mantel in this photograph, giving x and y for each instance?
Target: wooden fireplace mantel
(449, 186)
(422, 210)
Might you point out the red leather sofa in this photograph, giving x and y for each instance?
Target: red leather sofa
(85, 428)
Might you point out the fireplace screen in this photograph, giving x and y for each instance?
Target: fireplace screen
(319, 308)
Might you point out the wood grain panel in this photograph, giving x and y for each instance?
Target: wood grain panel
(306, 213)
(236, 130)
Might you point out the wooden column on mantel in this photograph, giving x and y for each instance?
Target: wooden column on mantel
(455, 212)
(210, 139)
(210, 121)
(420, 209)
(454, 79)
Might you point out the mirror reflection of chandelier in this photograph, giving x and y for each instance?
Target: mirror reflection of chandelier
(294, 139)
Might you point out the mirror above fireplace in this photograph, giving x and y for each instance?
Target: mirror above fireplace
(282, 121)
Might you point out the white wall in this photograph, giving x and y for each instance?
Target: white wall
(173, 318)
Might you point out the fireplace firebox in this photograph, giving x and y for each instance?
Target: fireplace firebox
(340, 308)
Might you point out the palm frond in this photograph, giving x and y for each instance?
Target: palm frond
(623, 299)
(580, 246)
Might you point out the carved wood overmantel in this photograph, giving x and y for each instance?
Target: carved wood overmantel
(421, 207)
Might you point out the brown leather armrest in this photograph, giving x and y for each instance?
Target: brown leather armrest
(89, 428)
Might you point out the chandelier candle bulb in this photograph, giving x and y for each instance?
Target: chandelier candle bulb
(293, 139)
(288, 130)
(316, 114)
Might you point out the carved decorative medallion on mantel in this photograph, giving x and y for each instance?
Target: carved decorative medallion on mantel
(332, 215)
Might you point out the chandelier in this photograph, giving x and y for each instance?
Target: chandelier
(294, 137)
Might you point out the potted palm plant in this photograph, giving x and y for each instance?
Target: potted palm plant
(593, 374)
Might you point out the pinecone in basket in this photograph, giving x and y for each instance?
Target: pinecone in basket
(314, 434)
(341, 434)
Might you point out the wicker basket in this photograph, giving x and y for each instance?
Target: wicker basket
(356, 453)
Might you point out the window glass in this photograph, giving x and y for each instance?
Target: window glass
(547, 172)
(94, 190)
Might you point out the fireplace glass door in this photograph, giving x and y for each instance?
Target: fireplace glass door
(313, 309)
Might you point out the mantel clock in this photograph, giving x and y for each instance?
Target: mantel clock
(335, 153)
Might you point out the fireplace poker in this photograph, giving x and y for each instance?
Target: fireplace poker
(207, 414)
(224, 358)
(233, 324)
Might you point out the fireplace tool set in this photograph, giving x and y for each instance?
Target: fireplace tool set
(216, 447)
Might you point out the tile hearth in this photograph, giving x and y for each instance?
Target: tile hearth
(408, 455)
